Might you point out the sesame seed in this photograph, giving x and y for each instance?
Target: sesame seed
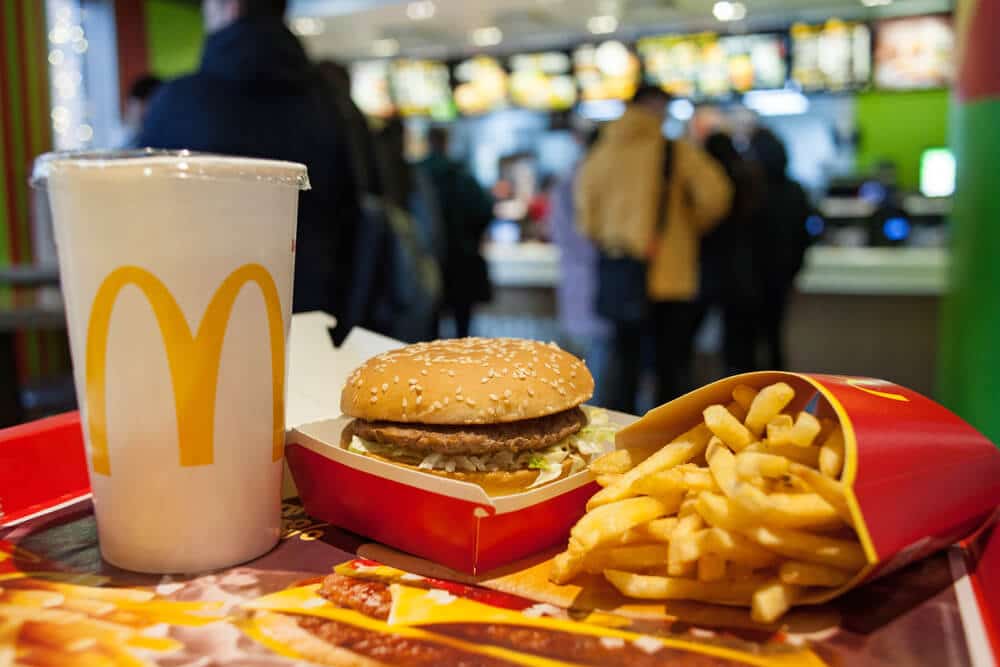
(451, 373)
(419, 398)
(436, 405)
(395, 379)
(404, 403)
(385, 387)
(423, 371)
(531, 392)
(507, 393)
(494, 397)
(374, 399)
(446, 400)
(374, 390)
(470, 402)
(458, 390)
(413, 381)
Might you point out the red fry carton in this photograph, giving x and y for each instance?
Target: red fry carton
(917, 477)
(446, 521)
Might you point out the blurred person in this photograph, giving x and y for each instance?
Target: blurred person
(256, 94)
(539, 208)
(466, 212)
(646, 201)
(585, 333)
(358, 133)
(140, 93)
(780, 239)
(414, 213)
(727, 277)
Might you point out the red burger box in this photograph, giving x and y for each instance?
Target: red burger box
(917, 479)
(443, 520)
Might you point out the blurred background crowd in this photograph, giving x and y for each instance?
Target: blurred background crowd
(676, 191)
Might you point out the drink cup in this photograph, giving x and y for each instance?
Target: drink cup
(176, 270)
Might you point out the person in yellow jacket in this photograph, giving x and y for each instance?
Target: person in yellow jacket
(632, 201)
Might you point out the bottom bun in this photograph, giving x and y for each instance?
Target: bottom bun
(495, 483)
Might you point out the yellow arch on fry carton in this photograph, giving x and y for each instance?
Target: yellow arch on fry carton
(193, 359)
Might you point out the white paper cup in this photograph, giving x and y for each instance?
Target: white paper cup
(177, 276)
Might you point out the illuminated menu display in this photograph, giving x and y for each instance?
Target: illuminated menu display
(370, 88)
(542, 81)
(914, 52)
(755, 61)
(832, 56)
(706, 65)
(680, 64)
(607, 71)
(482, 85)
(421, 88)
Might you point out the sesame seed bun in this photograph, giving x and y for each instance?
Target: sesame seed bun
(467, 381)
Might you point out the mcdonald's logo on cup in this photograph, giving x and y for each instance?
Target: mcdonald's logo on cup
(193, 359)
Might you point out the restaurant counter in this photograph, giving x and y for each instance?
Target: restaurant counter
(858, 311)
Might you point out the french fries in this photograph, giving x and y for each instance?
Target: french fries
(745, 509)
(47, 622)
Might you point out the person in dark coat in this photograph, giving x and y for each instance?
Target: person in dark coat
(256, 94)
(780, 239)
(359, 138)
(466, 211)
(727, 277)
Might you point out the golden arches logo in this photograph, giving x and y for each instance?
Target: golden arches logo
(193, 360)
(859, 384)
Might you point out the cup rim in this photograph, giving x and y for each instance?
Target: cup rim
(180, 164)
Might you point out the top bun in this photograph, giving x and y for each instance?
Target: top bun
(467, 381)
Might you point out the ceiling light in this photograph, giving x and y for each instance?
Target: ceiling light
(729, 11)
(602, 25)
(307, 26)
(421, 10)
(876, 3)
(487, 36)
(385, 48)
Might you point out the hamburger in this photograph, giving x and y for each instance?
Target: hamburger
(502, 413)
(365, 638)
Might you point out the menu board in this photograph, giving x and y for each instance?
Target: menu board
(755, 61)
(833, 56)
(421, 88)
(370, 88)
(914, 52)
(542, 81)
(705, 65)
(606, 71)
(482, 85)
(685, 65)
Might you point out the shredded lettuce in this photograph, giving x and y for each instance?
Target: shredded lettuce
(593, 440)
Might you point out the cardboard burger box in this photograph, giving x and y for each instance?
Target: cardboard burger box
(917, 477)
(446, 521)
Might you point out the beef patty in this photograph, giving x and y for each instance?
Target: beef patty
(524, 435)
(374, 599)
